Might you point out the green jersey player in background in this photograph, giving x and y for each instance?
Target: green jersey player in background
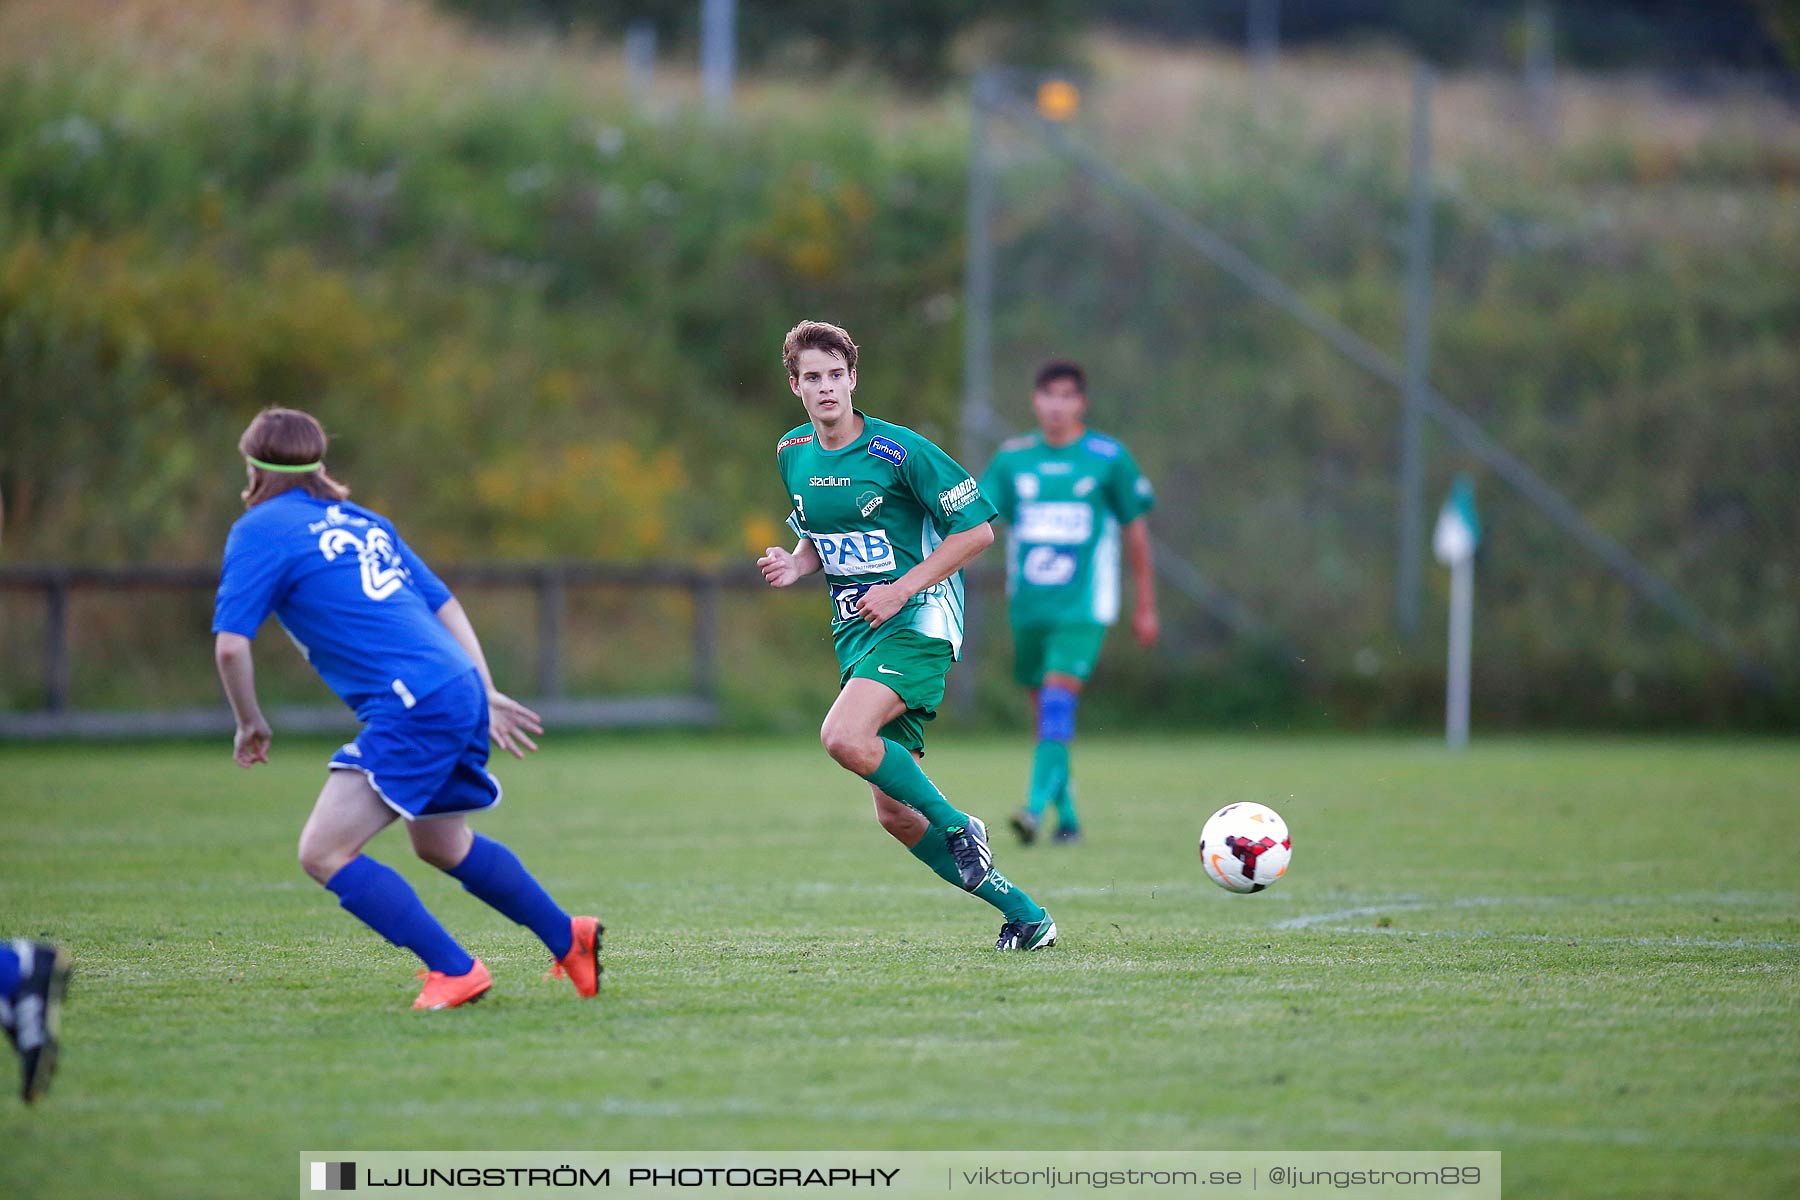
(1070, 497)
(891, 520)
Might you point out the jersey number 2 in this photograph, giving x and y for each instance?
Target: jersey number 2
(382, 573)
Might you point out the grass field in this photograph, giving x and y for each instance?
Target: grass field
(1583, 954)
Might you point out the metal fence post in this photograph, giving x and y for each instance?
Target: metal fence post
(1418, 358)
(978, 277)
(705, 589)
(1262, 42)
(552, 598)
(718, 52)
(640, 60)
(1540, 66)
(978, 331)
(56, 642)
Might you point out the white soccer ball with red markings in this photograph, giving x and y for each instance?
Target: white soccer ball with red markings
(1245, 847)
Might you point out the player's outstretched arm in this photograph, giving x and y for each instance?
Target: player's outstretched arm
(784, 568)
(510, 723)
(953, 554)
(1144, 623)
(237, 671)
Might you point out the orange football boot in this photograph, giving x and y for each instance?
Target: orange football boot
(581, 965)
(448, 991)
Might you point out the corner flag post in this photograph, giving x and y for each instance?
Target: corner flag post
(1454, 543)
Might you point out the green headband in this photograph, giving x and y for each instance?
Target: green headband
(286, 468)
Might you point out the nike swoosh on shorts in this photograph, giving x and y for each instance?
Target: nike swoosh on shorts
(881, 670)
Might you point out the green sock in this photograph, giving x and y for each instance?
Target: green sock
(996, 889)
(1049, 775)
(899, 776)
(931, 851)
(1009, 898)
(1065, 805)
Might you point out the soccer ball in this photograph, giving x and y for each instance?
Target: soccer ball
(1245, 847)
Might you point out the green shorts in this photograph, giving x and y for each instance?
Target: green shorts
(914, 667)
(1071, 649)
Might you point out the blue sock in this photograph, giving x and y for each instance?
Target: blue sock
(9, 972)
(494, 875)
(377, 896)
(1050, 762)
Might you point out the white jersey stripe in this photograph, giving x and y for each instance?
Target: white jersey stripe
(1106, 573)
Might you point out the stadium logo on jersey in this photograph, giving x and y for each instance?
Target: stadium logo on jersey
(784, 443)
(1056, 468)
(1058, 522)
(959, 497)
(1026, 486)
(1084, 485)
(1045, 567)
(383, 574)
(829, 481)
(887, 448)
(868, 502)
(859, 552)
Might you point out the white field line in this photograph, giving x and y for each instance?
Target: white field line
(1339, 915)
(1418, 903)
(1410, 904)
(1569, 939)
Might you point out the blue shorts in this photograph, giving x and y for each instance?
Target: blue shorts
(429, 760)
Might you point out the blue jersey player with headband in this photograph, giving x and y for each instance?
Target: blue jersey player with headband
(388, 637)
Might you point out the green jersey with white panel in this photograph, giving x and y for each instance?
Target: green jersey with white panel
(1065, 507)
(874, 510)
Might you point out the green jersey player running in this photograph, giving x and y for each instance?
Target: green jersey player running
(1070, 496)
(891, 520)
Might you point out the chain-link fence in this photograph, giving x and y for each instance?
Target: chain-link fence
(1611, 354)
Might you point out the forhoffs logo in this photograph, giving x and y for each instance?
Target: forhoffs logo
(334, 1177)
(887, 448)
